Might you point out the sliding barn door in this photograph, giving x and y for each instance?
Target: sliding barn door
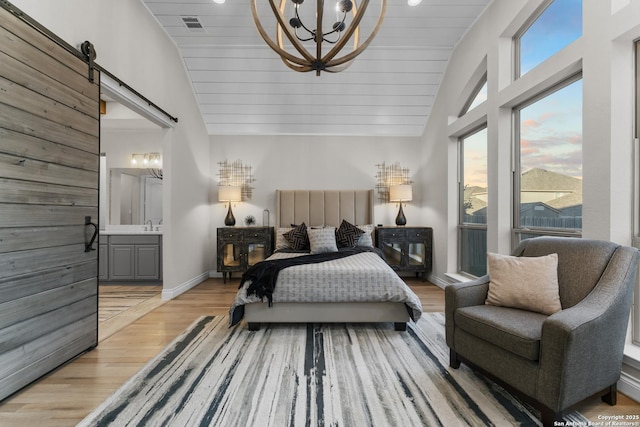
(49, 168)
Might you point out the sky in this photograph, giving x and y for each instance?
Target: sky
(551, 128)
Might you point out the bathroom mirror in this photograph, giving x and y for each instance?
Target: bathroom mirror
(135, 197)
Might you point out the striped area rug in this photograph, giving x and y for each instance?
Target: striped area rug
(309, 375)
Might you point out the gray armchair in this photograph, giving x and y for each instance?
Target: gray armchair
(552, 362)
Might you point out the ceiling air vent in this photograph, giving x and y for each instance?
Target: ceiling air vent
(192, 23)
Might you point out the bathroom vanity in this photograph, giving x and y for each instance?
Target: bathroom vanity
(130, 254)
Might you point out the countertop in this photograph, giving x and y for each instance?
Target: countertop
(130, 229)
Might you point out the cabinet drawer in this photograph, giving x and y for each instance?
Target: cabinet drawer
(229, 233)
(257, 234)
(232, 233)
(136, 239)
(414, 235)
(392, 234)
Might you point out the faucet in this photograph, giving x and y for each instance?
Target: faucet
(159, 224)
(150, 226)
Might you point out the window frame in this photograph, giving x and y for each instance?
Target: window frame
(517, 229)
(461, 224)
(635, 309)
(474, 93)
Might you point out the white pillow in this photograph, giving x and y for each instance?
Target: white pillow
(366, 239)
(322, 240)
(527, 283)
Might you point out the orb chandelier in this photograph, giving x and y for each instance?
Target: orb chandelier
(349, 14)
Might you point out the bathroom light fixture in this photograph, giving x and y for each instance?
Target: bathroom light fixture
(400, 193)
(229, 194)
(348, 13)
(151, 161)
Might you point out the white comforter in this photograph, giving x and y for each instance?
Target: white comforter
(364, 277)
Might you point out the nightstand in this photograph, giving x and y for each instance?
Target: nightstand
(241, 247)
(406, 249)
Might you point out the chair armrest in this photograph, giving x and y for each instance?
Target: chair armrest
(582, 346)
(466, 294)
(463, 294)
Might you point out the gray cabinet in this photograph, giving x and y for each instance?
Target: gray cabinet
(134, 258)
(406, 249)
(241, 247)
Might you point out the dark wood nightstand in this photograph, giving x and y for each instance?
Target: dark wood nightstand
(241, 247)
(406, 249)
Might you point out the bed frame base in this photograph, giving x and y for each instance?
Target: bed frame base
(327, 312)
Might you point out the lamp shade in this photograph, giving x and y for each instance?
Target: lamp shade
(229, 193)
(400, 193)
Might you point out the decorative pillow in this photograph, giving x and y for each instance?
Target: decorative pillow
(366, 239)
(347, 234)
(322, 240)
(281, 241)
(298, 238)
(527, 283)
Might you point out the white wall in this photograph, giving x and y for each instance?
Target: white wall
(294, 162)
(131, 45)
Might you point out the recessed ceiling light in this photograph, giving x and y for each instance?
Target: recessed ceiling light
(414, 2)
(218, 1)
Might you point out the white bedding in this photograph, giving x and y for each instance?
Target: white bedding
(364, 277)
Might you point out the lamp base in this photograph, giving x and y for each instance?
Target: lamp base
(229, 219)
(401, 219)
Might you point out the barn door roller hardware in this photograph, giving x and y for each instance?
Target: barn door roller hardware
(90, 54)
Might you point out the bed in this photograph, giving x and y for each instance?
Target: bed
(359, 288)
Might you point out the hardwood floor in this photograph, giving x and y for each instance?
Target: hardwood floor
(67, 395)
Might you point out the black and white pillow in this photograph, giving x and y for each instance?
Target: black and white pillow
(298, 238)
(281, 241)
(347, 234)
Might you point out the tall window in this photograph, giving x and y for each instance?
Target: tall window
(473, 204)
(549, 146)
(559, 24)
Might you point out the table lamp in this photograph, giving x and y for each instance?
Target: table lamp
(229, 193)
(400, 193)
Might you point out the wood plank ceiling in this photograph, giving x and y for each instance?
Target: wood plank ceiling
(243, 87)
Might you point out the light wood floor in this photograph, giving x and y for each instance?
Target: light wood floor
(68, 394)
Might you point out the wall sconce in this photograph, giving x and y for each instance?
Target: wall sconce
(229, 194)
(151, 161)
(400, 193)
(237, 174)
(389, 175)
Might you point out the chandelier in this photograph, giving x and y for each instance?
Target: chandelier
(348, 14)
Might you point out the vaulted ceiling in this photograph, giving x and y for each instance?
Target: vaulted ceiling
(243, 87)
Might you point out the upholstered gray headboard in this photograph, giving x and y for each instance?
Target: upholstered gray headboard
(323, 207)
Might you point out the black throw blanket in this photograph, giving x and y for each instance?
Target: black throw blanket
(263, 275)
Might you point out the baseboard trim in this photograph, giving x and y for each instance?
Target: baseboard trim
(438, 281)
(629, 385)
(184, 287)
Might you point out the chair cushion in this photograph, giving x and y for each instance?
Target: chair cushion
(528, 283)
(517, 331)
